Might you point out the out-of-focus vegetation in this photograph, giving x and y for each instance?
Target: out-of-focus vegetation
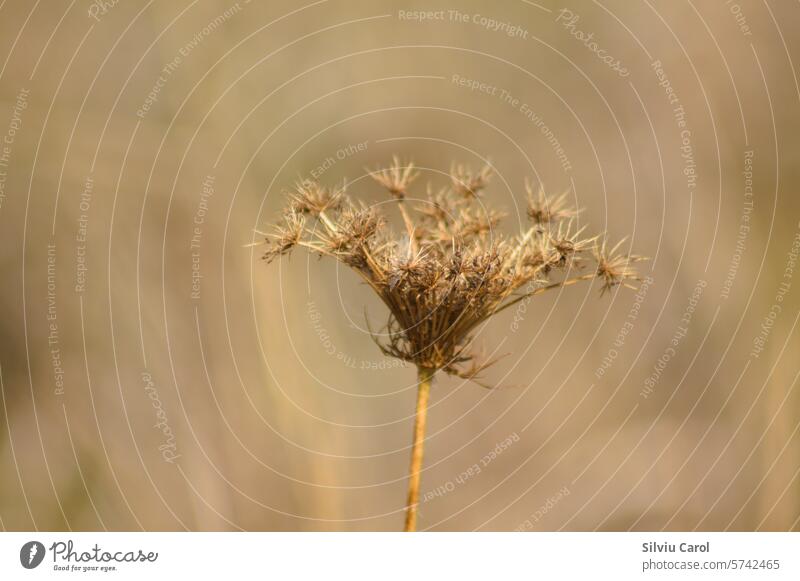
(155, 375)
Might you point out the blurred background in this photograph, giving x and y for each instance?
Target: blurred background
(156, 375)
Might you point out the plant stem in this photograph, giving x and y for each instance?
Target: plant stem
(425, 376)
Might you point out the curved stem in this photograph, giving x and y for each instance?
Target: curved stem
(423, 393)
(412, 241)
(543, 289)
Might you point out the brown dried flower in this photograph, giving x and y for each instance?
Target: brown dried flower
(452, 269)
(614, 268)
(544, 210)
(312, 198)
(469, 184)
(449, 271)
(396, 178)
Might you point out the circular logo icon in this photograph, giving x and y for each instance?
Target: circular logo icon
(31, 554)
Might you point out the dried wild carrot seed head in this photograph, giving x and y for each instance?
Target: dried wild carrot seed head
(614, 268)
(396, 178)
(544, 210)
(450, 269)
(468, 184)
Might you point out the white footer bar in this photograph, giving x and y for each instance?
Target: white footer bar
(380, 556)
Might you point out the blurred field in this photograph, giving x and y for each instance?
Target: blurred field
(157, 376)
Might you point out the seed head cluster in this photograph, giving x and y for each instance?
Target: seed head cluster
(449, 269)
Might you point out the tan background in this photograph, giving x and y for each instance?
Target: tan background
(277, 424)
